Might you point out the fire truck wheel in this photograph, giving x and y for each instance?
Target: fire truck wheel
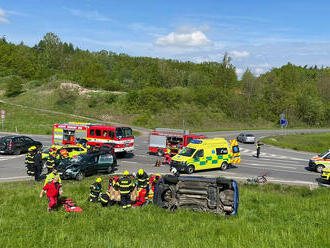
(160, 152)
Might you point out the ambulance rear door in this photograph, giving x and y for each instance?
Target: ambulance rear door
(235, 153)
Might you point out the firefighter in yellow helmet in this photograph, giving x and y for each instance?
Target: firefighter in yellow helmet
(30, 161)
(142, 178)
(95, 190)
(126, 186)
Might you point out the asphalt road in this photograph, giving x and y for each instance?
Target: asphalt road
(280, 165)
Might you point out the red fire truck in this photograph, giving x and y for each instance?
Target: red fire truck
(95, 134)
(162, 138)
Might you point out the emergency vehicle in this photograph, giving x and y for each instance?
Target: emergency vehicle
(319, 162)
(162, 139)
(201, 154)
(121, 138)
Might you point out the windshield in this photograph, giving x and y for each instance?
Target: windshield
(323, 154)
(249, 135)
(124, 132)
(78, 158)
(187, 152)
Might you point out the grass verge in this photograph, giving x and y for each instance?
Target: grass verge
(317, 143)
(269, 216)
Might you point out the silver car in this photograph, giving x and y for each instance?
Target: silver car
(246, 138)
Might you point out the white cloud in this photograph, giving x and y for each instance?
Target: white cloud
(184, 39)
(239, 54)
(259, 70)
(90, 15)
(3, 16)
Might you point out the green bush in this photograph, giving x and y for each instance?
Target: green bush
(13, 86)
(66, 95)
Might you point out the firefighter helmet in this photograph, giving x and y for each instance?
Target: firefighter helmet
(98, 180)
(32, 148)
(126, 173)
(140, 172)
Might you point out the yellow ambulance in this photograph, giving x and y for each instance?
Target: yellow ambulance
(201, 154)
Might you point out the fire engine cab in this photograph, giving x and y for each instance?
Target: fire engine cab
(121, 138)
(162, 139)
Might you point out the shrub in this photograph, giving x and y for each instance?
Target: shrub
(13, 86)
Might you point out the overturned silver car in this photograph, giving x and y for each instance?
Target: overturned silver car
(215, 195)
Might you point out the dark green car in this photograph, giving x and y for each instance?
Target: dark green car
(87, 164)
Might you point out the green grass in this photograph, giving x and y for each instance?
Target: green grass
(317, 143)
(269, 216)
(29, 121)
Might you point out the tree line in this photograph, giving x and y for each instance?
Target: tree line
(158, 85)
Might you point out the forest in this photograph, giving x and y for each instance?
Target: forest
(209, 91)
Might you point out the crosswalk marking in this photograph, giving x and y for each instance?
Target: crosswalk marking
(268, 155)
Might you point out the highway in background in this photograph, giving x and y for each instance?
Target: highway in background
(281, 165)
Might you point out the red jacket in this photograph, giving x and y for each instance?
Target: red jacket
(52, 189)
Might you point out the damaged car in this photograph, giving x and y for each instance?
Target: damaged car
(215, 195)
(87, 164)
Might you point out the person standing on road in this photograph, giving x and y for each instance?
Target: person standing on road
(258, 145)
(29, 160)
(126, 186)
(37, 165)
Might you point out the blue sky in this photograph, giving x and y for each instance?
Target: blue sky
(257, 34)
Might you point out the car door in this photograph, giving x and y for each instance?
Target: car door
(105, 161)
(18, 144)
(28, 142)
(91, 165)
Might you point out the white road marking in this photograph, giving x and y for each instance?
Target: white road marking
(8, 178)
(129, 162)
(272, 166)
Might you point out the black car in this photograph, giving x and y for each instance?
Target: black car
(87, 164)
(16, 145)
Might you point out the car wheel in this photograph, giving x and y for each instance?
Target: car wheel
(17, 152)
(224, 166)
(319, 168)
(110, 169)
(160, 152)
(80, 176)
(190, 169)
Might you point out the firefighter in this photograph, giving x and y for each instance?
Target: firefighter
(105, 199)
(51, 161)
(154, 179)
(37, 165)
(143, 179)
(29, 160)
(167, 156)
(258, 145)
(125, 186)
(95, 190)
(142, 187)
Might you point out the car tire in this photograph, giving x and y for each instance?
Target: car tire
(319, 168)
(110, 169)
(80, 176)
(160, 152)
(190, 169)
(224, 166)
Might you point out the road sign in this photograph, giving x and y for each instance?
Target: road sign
(3, 114)
(284, 123)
